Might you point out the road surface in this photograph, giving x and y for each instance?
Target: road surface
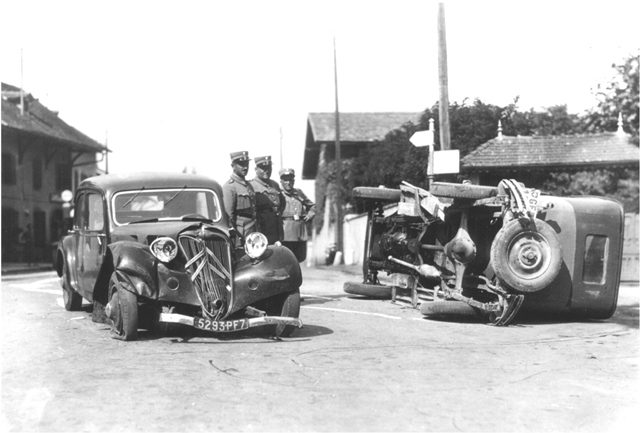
(357, 365)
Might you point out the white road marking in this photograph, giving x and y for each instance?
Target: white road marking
(354, 312)
(317, 297)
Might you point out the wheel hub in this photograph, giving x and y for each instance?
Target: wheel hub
(528, 256)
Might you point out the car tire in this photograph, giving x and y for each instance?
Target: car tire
(285, 305)
(526, 255)
(124, 312)
(378, 194)
(449, 310)
(72, 299)
(377, 291)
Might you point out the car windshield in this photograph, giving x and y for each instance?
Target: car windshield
(165, 204)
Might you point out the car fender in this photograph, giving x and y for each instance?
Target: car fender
(134, 266)
(65, 257)
(278, 271)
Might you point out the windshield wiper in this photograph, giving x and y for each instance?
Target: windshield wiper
(175, 195)
(134, 196)
(145, 220)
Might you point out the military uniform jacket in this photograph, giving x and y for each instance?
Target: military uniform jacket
(270, 204)
(240, 204)
(298, 206)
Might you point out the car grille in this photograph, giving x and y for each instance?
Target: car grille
(209, 267)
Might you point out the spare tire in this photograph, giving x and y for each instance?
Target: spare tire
(377, 291)
(526, 255)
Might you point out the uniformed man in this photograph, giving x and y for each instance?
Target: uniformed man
(270, 202)
(239, 198)
(298, 212)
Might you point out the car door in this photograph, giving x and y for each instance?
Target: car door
(75, 258)
(94, 240)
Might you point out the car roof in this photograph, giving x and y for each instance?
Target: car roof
(111, 183)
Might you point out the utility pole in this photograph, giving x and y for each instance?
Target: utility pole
(21, 83)
(281, 166)
(445, 138)
(339, 241)
(106, 156)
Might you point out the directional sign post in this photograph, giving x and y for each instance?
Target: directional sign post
(422, 138)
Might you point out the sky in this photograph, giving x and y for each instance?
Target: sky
(175, 85)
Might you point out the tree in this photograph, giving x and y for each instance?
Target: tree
(619, 95)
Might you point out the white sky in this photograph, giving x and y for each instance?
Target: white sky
(183, 84)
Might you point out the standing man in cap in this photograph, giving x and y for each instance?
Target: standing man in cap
(270, 202)
(239, 198)
(298, 212)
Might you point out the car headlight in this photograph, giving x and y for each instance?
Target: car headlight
(165, 249)
(255, 245)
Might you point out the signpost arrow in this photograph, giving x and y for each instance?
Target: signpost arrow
(422, 138)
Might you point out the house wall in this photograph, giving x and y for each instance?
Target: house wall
(24, 203)
(630, 254)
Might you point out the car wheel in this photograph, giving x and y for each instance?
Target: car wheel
(72, 299)
(451, 310)
(526, 255)
(378, 291)
(285, 305)
(379, 194)
(123, 312)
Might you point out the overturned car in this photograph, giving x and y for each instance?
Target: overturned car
(489, 252)
(156, 248)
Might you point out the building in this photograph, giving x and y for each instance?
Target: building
(530, 159)
(42, 156)
(357, 130)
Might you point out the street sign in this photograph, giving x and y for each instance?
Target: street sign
(446, 161)
(422, 138)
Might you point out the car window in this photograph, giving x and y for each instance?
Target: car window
(165, 204)
(79, 213)
(95, 217)
(595, 259)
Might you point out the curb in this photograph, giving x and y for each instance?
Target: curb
(27, 270)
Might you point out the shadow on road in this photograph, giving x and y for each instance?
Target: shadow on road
(625, 315)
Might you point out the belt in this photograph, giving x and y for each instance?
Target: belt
(269, 209)
(300, 218)
(246, 214)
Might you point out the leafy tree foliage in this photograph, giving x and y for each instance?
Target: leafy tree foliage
(619, 95)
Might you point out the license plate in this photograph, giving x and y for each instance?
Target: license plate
(221, 326)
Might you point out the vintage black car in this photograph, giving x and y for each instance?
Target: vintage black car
(154, 248)
(489, 252)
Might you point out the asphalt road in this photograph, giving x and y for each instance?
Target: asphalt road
(357, 365)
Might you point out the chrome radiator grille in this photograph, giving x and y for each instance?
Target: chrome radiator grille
(209, 267)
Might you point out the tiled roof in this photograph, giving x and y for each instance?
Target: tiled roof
(549, 151)
(357, 127)
(39, 120)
